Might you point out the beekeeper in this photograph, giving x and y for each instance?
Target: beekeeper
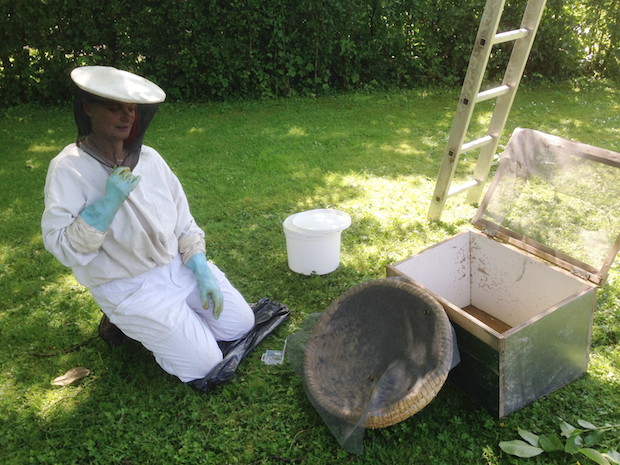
(117, 215)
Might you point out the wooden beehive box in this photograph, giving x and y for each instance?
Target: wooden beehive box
(521, 293)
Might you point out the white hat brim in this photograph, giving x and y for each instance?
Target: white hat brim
(114, 84)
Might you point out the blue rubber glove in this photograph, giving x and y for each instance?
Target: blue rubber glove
(208, 287)
(120, 183)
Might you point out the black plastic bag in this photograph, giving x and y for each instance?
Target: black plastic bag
(268, 315)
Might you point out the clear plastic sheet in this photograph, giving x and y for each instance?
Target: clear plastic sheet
(376, 356)
(561, 194)
(269, 315)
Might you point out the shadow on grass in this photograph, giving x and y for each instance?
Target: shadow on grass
(245, 168)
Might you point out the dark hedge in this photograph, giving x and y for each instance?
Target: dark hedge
(200, 50)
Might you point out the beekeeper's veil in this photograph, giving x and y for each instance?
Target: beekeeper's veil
(105, 83)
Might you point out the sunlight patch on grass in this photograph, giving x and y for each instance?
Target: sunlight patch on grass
(403, 148)
(602, 366)
(432, 141)
(483, 119)
(405, 197)
(6, 215)
(32, 164)
(4, 254)
(388, 216)
(304, 172)
(295, 131)
(37, 148)
(66, 282)
(46, 401)
(62, 291)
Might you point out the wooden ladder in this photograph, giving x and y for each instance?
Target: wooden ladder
(470, 95)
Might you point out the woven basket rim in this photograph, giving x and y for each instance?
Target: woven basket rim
(417, 398)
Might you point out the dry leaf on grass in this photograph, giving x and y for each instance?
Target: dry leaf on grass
(72, 375)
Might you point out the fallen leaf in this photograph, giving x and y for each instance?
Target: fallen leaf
(72, 375)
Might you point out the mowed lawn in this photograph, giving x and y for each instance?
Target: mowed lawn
(245, 167)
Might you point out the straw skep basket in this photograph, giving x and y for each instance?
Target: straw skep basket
(382, 350)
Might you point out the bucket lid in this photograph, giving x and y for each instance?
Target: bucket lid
(322, 221)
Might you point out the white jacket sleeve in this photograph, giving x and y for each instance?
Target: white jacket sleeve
(64, 236)
(190, 246)
(83, 237)
(190, 236)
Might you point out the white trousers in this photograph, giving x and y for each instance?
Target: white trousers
(161, 308)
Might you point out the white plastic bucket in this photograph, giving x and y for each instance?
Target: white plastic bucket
(313, 240)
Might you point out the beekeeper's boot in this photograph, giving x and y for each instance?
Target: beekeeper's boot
(110, 333)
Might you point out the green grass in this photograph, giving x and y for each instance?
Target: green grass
(245, 167)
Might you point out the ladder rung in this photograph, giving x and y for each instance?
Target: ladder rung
(510, 35)
(474, 144)
(462, 188)
(492, 93)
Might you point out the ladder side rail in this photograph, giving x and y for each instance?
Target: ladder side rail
(512, 78)
(473, 80)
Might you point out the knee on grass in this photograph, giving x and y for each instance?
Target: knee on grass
(193, 365)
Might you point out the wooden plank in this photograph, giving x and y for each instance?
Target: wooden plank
(495, 323)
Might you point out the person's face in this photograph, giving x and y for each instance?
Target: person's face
(111, 120)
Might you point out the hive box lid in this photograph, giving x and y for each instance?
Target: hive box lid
(557, 199)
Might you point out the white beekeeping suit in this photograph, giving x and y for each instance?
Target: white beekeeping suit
(145, 267)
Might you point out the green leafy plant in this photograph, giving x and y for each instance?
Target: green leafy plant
(578, 440)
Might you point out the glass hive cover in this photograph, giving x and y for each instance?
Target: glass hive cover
(558, 199)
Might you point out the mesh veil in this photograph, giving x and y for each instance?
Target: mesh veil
(144, 116)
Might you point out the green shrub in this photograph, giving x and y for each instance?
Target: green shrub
(202, 50)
